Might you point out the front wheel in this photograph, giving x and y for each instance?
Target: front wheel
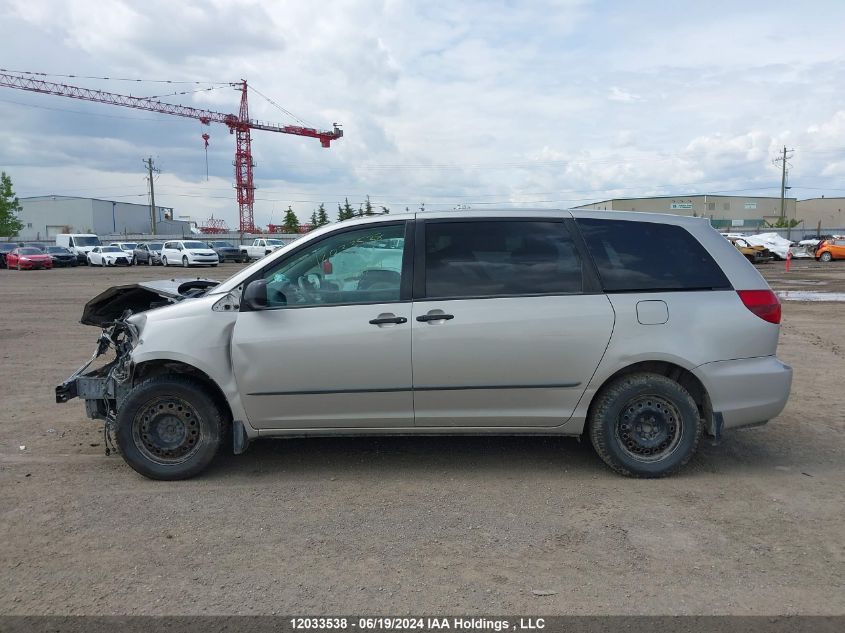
(826, 256)
(169, 428)
(645, 425)
(164, 261)
(149, 261)
(185, 263)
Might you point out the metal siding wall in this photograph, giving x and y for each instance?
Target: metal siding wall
(54, 211)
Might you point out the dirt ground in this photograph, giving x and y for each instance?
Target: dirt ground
(414, 525)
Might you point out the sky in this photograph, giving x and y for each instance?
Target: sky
(550, 103)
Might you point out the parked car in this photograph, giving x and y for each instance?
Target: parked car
(79, 243)
(5, 249)
(28, 258)
(108, 256)
(40, 246)
(226, 251)
(755, 254)
(61, 256)
(639, 331)
(260, 247)
(148, 253)
(128, 248)
(187, 253)
(830, 250)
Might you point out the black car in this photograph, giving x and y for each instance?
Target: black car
(38, 245)
(61, 256)
(5, 248)
(148, 253)
(226, 251)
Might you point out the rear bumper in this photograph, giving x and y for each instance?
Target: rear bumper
(746, 391)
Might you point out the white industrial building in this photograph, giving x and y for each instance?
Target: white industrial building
(44, 217)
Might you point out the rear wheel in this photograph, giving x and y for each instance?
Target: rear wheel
(826, 256)
(169, 428)
(645, 425)
(185, 261)
(163, 260)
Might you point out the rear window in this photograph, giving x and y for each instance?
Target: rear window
(500, 258)
(649, 256)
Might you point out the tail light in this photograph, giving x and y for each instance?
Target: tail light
(763, 303)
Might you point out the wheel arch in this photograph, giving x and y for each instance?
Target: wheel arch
(682, 376)
(159, 367)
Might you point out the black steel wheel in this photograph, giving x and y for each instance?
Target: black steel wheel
(649, 428)
(169, 428)
(644, 425)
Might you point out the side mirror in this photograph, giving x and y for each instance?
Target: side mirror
(255, 295)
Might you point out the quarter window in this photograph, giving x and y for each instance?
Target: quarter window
(360, 266)
(500, 258)
(649, 256)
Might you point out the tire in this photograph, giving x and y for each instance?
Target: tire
(826, 257)
(169, 428)
(185, 263)
(163, 260)
(19, 266)
(149, 261)
(134, 261)
(661, 434)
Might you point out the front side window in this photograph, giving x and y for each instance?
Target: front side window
(500, 258)
(360, 266)
(649, 256)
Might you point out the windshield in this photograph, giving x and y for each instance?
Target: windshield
(86, 240)
(221, 245)
(111, 249)
(155, 246)
(29, 251)
(57, 249)
(195, 245)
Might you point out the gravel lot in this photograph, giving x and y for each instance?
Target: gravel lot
(422, 525)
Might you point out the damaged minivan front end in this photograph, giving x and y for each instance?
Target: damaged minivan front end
(120, 312)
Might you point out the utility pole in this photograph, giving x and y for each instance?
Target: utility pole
(787, 154)
(150, 169)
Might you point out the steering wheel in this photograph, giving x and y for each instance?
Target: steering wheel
(307, 288)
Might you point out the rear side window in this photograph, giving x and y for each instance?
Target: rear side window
(499, 258)
(649, 256)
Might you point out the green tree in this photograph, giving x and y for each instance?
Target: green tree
(385, 210)
(291, 222)
(10, 206)
(368, 207)
(314, 222)
(346, 211)
(322, 216)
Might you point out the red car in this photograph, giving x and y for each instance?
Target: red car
(28, 258)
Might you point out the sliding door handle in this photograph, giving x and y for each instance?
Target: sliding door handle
(435, 317)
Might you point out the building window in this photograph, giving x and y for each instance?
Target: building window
(29, 225)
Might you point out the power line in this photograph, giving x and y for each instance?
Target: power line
(134, 79)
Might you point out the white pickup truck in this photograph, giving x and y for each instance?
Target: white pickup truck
(260, 247)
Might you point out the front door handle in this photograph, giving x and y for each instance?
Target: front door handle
(383, 320)
(435, 317)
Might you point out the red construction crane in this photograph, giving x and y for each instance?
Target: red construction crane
(239, 124)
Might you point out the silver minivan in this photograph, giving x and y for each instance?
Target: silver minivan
(643, 332)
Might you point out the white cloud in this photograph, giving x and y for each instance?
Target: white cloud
(548, 103)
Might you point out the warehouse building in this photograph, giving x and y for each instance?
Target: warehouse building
(44, 217)
(741, 212)
(826, 212)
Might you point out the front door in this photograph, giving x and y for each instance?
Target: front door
(505, 331)
(333, 348)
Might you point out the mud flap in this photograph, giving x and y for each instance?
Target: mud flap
(240, 440)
